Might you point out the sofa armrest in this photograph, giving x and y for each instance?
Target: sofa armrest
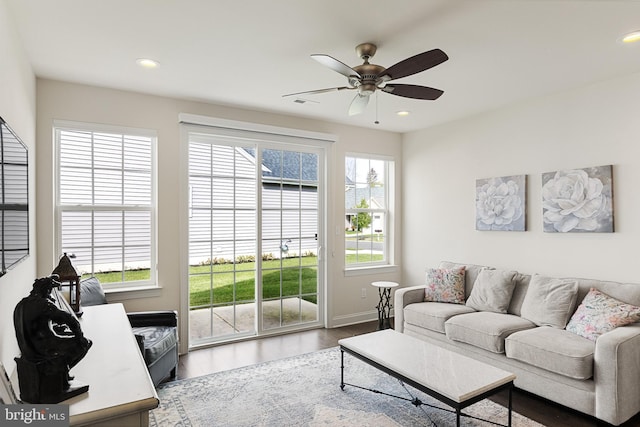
(153, 318)
(617, 373)
(402, 298)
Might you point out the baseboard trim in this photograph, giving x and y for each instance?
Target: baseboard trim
(353, 319)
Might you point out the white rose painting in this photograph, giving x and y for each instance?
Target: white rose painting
(578, 200)
(500, 203)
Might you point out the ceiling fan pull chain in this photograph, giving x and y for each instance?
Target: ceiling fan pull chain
(376, 122)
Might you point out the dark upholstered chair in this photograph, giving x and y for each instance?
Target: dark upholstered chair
(155, 331)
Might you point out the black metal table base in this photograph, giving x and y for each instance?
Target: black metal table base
(384, 308)
(458, 407)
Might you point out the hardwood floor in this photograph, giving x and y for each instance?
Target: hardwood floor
(235, 355)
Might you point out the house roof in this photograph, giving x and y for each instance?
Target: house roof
(287, 165)
(374, 196)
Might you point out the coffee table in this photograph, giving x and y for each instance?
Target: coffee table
(454, 379)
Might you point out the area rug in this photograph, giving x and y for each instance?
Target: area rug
(305, 391)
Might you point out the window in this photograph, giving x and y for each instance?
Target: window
(367, 218)
(105, 202)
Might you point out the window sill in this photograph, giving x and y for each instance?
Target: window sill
(373, 269)
(133, 292)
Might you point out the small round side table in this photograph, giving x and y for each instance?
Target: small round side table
(384, 306)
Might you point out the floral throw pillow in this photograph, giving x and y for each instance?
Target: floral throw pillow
(599, 313)
(444, 285)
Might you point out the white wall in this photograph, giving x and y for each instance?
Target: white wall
(18, 109)
(66, 101)
(591, 126)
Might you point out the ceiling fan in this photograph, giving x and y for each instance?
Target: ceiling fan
(366, 78)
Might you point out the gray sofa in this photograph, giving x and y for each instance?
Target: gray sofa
(600, 378)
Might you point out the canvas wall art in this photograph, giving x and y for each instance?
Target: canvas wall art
(578, 200)
(500, 203)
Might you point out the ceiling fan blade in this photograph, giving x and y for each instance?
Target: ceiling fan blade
(313, 92)
(415, 64)
(358, 104)
(336, 65)
(413, 91)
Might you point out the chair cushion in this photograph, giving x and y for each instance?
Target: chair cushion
(485, 329)
(91, 292)
(432, 315)
(553, 349)
(157, 340)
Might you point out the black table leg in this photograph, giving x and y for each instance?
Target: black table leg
(510, 393)
(384, 308)
(342, 369)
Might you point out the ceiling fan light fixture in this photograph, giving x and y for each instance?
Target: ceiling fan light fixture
(147, 63)
(631, 37)
(366, 89)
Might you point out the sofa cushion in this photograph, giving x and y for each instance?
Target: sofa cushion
(519, 292)
(432, 315)
(492, 290)
(157, 341)
(599, 313)
(445, 285)
(549, 301)
(485, 329)
(553, 349)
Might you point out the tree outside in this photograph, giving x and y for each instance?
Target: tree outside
(372, 177)
(361, 220)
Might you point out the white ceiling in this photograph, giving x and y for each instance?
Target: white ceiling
(249, 53)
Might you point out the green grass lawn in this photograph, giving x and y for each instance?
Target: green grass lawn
(294, 282)
(299, 276)
(353, 258)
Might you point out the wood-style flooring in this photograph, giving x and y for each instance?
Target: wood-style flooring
(244, 353)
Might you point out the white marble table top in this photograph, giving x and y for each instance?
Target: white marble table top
(453, 375)
(383, 284)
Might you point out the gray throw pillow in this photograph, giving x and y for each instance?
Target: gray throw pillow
(492, 290)
(550, 301)
(91, 292)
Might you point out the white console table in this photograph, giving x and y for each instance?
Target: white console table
(121, 392)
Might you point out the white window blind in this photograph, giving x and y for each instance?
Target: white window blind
(106, 202)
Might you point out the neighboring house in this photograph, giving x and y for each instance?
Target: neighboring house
(374, 196)
(289, 182)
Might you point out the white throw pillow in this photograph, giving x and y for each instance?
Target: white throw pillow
(549, 301)
(492, 290)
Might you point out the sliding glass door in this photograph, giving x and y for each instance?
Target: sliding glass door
(289, 238)
(254, 222)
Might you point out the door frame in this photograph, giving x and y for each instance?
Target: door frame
(286, 138)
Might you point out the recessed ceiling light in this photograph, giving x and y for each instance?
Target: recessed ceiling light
(402, 113)
(147, 63)
(632, 37)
